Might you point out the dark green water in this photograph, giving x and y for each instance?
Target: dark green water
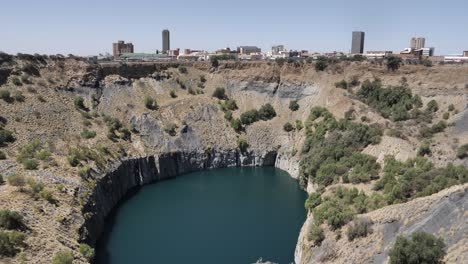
(234, 215)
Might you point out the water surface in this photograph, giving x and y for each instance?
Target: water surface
(234, 215)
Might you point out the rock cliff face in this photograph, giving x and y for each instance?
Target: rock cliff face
(132, 173)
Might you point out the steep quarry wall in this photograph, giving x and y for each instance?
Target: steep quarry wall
(132, 173)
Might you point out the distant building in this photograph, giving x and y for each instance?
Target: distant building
(427, 52)
(173, 53)
(121, 47)
(247, 50)
(417, 43)
(277, 50)
(465, 53)
(357, 45)
(378, 54)
(166, 41)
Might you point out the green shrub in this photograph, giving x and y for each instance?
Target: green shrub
(313, 201)
(151, 103)
(220, 93)
(359, 228)
(451, 107)
(48, 196)
(87, 251)
(424, 150)
(391, 102)
(334, 212)
(5, 95)
(10, 219)
(173, 94)
(228, 115)
(6, 136)
(182, 69)
(421, 248)
(446, 115)
(229, 105)
(342, 84)
(30, 164)
(79, 103)
(293, 105)
(316, 234)
(299, 125)
(288, 127)
(63, 257)
(19, 97)
(10, 242)
(170, 129)
(16, 180)
(1, 179)
(462, 151)
(393, 63)
(320, 65)
(266, 112)
(88, 134)
(249, 117)
(242, 144)
(432, 106)
(236, 124)
(2, 155)
(36, 188)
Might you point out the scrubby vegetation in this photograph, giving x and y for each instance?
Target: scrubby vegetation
(421, 248)
(170, 129)
(242, 144)
(403, 181)
(293, 105)
(462, 151)
(359, 228)
(79, 103)
(88, 134)
(6, 136)
(266, 112)
(393, 63)
(63, 257)
(316, 234)
(116, 129)
(390, 102)
(331, 150)
(151, 103)
(220, 93)
(17, 180)
(288, 127)
(87, 251)
(30, 154)
(342, 84)
(11, 242)
(10, 220)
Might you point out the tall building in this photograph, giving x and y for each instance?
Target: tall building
(166, 41)
(247, 50)
(121, 47)
(357, 45)
(276, 50)
(418, 43)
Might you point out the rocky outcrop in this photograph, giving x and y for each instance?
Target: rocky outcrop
(129, 174)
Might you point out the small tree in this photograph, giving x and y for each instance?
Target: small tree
(63, 257)
(87, 251)
(266, 112)
(462, 151)
(214, 62)
(6, 96)
(421, 248)
(173, 94)
(321, 65)
(236, 124)
(424, 150)
(393, 63)
(359, 228)
(183, 69)
(342, 84)
(220, 93)
(151, 103)
(288, 127)
(2, 155)
(79, 103)
(10, 219)
(316, 234)
(242, 144)
(293, 105)
(17, 180)
(432, 106)
(249, 117)
(314, 200)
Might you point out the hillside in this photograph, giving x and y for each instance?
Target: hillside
(76, 136)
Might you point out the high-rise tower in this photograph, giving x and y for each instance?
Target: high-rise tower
(357, 45)
(166, 42)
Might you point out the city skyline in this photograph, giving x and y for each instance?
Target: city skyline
(50, 27)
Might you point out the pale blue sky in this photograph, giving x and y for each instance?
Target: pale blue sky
(87, 27)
